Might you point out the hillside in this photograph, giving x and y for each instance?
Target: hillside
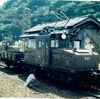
(19, 15)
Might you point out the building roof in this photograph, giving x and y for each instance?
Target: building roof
(65, 23)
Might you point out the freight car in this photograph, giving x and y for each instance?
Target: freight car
(9, 54)
(53, 53)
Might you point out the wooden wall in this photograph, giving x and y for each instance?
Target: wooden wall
(92, 34)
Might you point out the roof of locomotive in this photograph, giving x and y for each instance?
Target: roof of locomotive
(28, 35)
(75, 22)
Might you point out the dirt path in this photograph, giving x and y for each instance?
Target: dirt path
(12, 85)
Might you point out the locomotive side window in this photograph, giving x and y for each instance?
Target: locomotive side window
(32, 43)
(40, 44)
(46, 44)
(54, 43)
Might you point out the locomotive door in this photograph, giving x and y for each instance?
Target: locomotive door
(44, 51)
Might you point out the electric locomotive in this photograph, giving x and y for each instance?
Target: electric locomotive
(54, 53)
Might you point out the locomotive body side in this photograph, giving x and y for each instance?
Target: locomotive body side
(80, 65)
(85, 60)
(63, 59)
(41, 54)
(38, 55)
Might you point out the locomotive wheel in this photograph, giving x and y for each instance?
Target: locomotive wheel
(74, 82)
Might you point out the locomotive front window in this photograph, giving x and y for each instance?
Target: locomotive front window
(32, 43)
(54, 43)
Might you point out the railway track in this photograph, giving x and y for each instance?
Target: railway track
(3, 64)
(42, 91)
(92, 93)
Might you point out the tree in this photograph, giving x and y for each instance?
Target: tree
(20, 15)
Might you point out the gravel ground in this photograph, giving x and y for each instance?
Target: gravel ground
(12, 85)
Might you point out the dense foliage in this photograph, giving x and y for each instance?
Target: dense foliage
(19, 15)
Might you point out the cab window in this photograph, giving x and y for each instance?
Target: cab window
(39, 44)
(54, 43)
(32, 43)
(46, 44)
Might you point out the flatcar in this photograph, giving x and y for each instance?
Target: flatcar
(9, 54)
(53, 52)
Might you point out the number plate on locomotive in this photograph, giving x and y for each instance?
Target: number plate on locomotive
(86, 58)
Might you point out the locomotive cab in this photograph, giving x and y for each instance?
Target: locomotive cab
(40, 47)
(56, 51)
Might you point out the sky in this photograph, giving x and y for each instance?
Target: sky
(2, 1)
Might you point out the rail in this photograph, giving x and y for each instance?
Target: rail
(93, 93)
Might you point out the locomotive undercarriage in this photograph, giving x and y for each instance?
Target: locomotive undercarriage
(76, 79)
(88, 79)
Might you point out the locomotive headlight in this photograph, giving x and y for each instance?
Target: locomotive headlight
(63, 36)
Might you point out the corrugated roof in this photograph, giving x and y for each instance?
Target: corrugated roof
(64, 23)
(40, 27)
(71, 22)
